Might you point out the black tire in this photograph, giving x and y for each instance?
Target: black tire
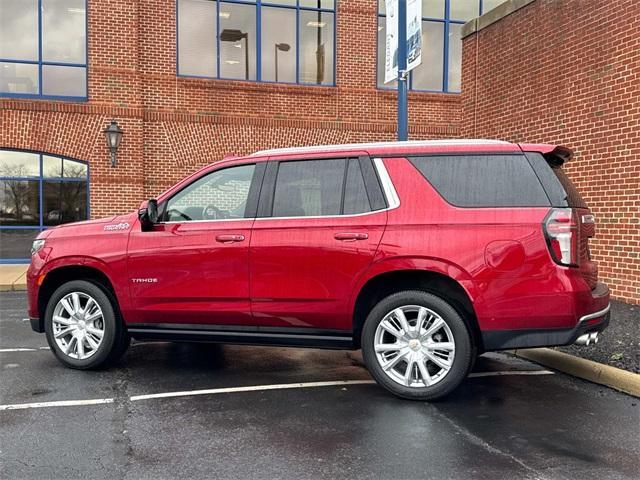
(115, 340)
(464, 351)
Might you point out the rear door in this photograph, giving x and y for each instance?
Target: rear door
(318, 227)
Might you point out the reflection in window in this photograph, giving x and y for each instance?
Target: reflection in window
(442, 22)
(218, 39)
(37, 191)
(316, 47)
(279, 50)
(220, 195)
(237, 41)
(58, 68)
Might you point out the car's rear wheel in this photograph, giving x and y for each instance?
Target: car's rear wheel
(82, 327)
(416, 345)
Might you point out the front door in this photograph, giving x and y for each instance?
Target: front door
(193, 267)
(320, 232)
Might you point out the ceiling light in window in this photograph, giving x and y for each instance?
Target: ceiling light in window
(225, 14)
(316, 24)
(76, 10)
(380, 27)
(237, 45)
(231, 62)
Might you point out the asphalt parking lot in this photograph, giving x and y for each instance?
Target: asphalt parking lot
(209, 411)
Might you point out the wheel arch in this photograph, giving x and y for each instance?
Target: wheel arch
(391, 280)
(62, 274)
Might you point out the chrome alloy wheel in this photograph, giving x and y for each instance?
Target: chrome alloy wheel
(414, 346)
(78, 325)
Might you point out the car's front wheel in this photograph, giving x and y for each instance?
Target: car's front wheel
(416, 345)
(82, 327)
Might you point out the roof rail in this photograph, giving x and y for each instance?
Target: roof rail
(365, 146)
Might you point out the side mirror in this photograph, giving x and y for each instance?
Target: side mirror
(148, 215)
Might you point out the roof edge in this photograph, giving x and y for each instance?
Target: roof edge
(493, 16)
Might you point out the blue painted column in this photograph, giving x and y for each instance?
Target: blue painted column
(402, 70)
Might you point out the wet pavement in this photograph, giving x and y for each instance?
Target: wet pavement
(508, 420)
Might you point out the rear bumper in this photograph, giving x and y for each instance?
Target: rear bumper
(506, 339)
(596, 319)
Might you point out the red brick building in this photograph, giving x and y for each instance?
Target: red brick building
(68, 67)
(189, 81)
(568, 72)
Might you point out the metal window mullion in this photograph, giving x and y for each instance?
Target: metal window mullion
(20, 227)
(445, 57)
(298, 41)
(218, 39)
(258, 41)
(40, 90)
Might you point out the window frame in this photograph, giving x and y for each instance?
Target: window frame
(373, 186)
(258, 4)
(41, 179)
(252, 197)
(447, 21)
(40, 63)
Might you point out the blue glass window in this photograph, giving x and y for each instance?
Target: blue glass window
(43, 49)
(287, 41)
(38, 191)
(442, 20)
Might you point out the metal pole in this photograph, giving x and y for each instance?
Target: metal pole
(276, 47)
(402, 70)
(246, 56)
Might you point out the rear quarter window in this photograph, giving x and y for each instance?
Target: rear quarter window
(562, 192)
(483, 180)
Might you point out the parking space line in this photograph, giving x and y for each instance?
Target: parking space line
(510, 372)
(8, 350)
(251, 388)
(60, 403)
(21, 349)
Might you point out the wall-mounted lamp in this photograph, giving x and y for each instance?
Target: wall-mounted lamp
(113, 133)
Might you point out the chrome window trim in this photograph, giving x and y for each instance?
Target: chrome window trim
(208, 221)
(593, 315)
(387, 185)
(393, 202)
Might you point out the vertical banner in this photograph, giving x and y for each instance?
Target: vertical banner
(414, 38)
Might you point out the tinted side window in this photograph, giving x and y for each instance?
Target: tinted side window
(483, 180)
(219, 195)
(355, 192)
(309, 188)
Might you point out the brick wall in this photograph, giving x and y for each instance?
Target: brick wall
(568, 72)
(175, 125)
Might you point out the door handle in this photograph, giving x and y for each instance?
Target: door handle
(350, 237)
(229, 238)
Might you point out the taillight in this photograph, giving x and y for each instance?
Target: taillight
(561, 231)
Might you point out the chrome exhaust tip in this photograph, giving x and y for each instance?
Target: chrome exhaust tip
(586, 339)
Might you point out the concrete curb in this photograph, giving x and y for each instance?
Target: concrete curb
(595, 372)
(13, 277)
(4, 287)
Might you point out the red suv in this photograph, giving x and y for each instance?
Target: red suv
(423, 254)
